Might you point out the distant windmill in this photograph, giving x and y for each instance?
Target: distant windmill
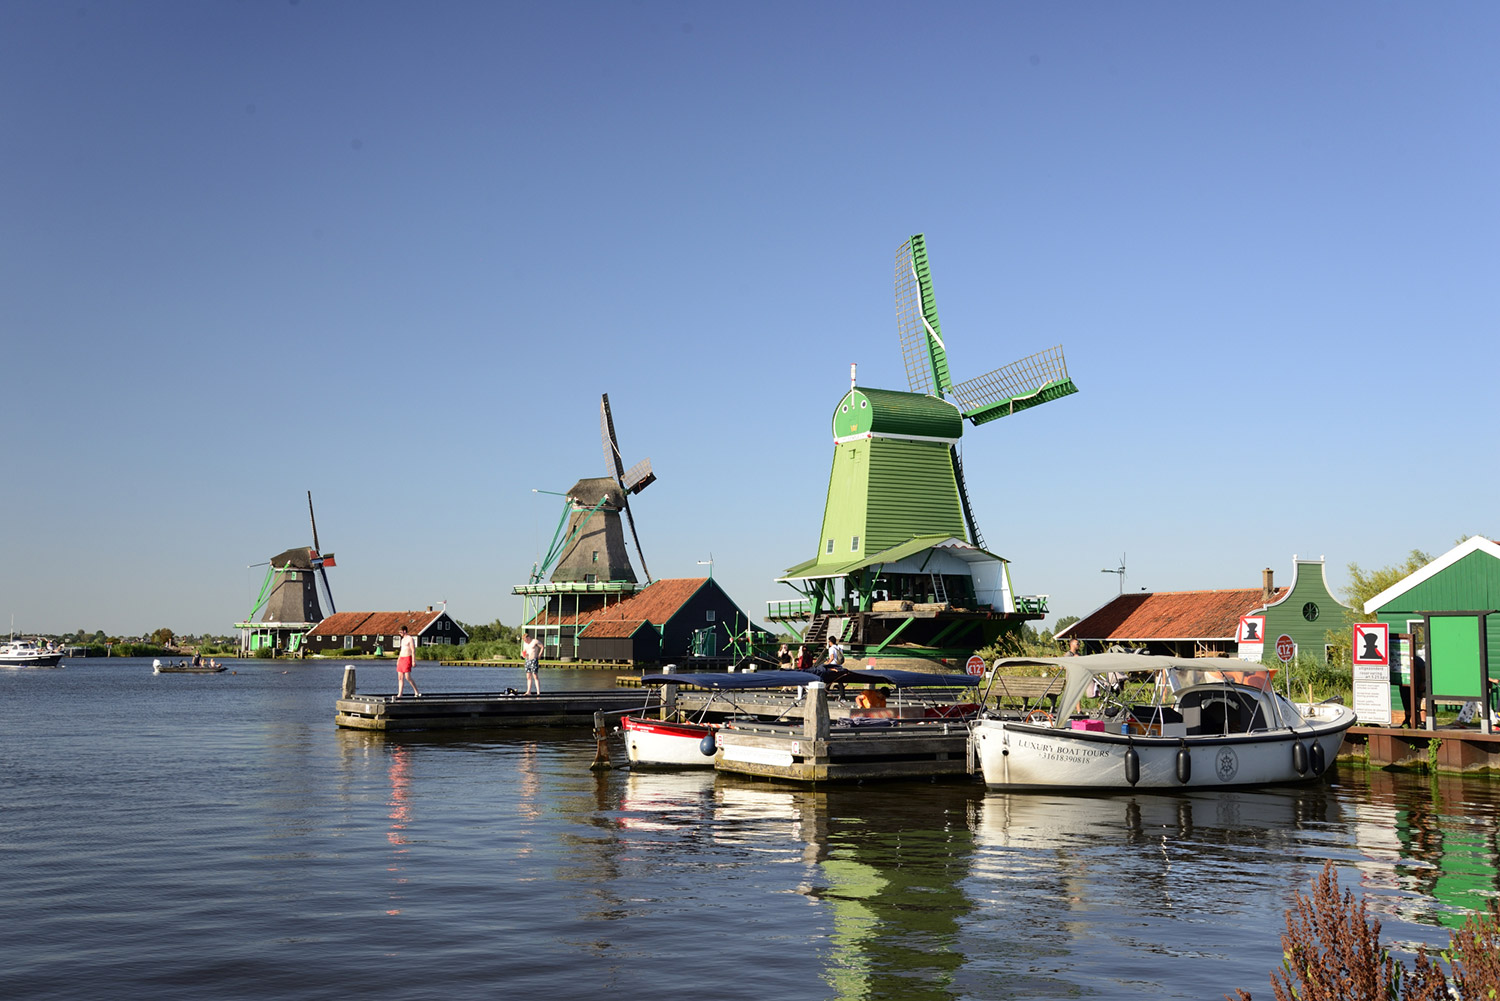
(589, 545)
(289, 592)
(1120, 571)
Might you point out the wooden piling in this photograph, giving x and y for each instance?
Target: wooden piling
(348, 690)
(815, 712)
(601, 743)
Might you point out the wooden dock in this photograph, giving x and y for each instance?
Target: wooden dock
(815, 750)
(476, 710)
(1443, 750)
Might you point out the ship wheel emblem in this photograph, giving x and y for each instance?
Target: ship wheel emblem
(1226, 764)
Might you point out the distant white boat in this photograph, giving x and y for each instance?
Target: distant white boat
(1211, 723)
(26, 653)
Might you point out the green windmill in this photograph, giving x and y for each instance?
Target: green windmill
(898, 529)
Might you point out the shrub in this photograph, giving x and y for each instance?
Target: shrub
(1331, 952)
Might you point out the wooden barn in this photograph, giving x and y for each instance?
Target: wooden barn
(674, 619)
(380, 632)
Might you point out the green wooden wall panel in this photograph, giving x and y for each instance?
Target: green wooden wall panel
(1455, 655)
(912, 492)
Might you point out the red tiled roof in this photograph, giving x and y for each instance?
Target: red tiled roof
(373, 623)
(656, 603)
(614, 628)
(1171, 615)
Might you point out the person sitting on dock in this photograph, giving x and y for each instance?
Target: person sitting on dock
(804, 658)
(784, 658)
(531, 652)
(870, 698)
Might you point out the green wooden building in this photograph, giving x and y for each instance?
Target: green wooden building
(1306, 612)
(1464, 579)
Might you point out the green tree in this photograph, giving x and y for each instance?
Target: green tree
(496, 631)
(162, 637)
(1065, 622)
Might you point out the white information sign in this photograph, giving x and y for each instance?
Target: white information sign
(1372, 701)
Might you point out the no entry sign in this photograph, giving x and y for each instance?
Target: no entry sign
(1285, 648)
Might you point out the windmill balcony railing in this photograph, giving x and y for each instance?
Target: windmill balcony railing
(780, 611)
(1035, 604)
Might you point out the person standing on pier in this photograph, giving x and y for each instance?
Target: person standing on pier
(531, 651)
(405, 658)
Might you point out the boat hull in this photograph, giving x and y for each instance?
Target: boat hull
(1017, 755)
(653, 743)
(32, 660)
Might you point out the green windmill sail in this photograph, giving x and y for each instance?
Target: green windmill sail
(896, 473)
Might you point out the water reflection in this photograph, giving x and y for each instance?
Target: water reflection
(1424, 839)
(885, 866)
(400, 818)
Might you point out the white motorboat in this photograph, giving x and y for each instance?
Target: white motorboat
(1208, 723)
(28, 653)
(679, 742)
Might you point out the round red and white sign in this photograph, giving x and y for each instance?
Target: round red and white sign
(975, 665)
(1285, 648)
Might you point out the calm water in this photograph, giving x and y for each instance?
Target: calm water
(183, 836)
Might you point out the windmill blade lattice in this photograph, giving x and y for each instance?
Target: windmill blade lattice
(322, 571)
(1021, 385)
(632, 481)
(922, 347)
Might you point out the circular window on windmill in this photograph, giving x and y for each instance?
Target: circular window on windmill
(863, 404)
(846, 408)
(1310, 612)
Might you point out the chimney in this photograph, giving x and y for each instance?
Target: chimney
(429, 607)
(1267, 586)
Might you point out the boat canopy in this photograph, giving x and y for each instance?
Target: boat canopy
(739, 681)
(1181, 673)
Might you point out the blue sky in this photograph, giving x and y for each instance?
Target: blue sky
(393, 253)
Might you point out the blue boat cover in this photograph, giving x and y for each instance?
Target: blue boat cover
(750, 680)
